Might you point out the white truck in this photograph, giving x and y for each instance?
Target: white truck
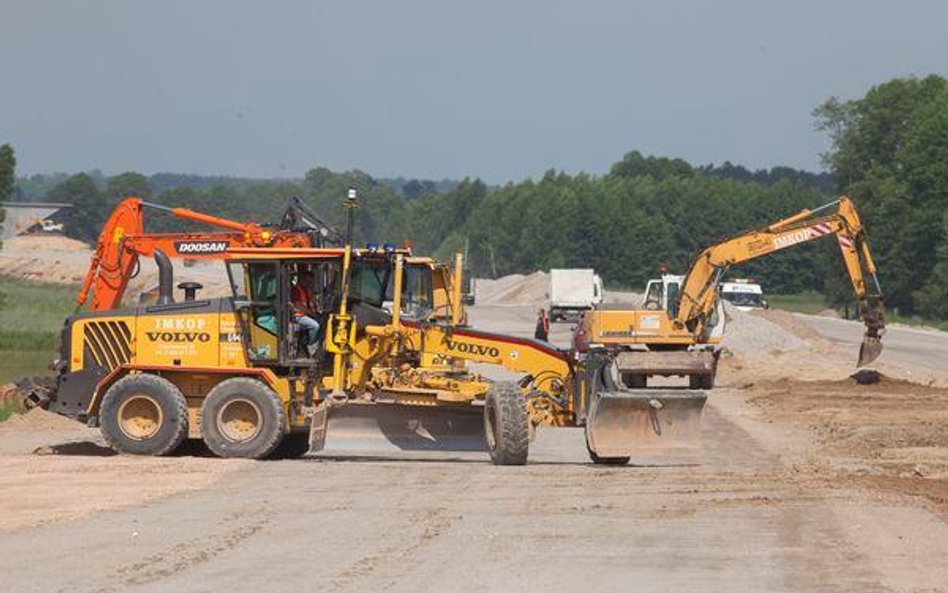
(743, 293)
(573, 292)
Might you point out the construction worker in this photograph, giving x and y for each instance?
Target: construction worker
(542, 331)
(304, 310)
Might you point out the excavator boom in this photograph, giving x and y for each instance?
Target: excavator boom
(699, 290)
(123, 240)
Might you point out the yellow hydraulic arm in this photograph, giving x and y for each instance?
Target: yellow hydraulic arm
(839, 218)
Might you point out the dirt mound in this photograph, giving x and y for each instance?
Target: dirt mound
(769, 345)
(515, 289)
(632, 300)
(45, 243)
(61, 260)
(789, 322)
(892, 426)
(37, 419)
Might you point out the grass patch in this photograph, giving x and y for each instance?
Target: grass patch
(813, 303)
(892, 317)
(9, 410)
(31, 315)
(810, 302)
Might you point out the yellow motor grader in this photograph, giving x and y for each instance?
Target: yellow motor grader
(389, 360)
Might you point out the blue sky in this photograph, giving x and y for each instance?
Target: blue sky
(498, 90)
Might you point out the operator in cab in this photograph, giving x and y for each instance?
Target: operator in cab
(304, 309)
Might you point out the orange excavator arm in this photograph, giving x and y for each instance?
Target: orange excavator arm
(123, 240)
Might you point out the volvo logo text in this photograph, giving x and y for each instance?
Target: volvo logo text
(473, 349)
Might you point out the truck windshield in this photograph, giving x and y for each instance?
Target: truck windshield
(743, 299)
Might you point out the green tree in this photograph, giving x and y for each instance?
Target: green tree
(7, 176)
(126, 185)
(890, 153)
(7, 171)
(90, 206)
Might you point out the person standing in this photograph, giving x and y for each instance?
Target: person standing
(542, 331)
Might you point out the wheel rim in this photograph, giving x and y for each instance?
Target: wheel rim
(239, 420)
(491, 420)
(140, 417)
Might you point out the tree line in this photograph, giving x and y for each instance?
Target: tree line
(889, 153)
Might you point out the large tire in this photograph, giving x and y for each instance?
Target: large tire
(143, 414)
(506, 426)
(242, 417)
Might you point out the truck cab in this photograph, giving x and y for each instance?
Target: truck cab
(573, 292)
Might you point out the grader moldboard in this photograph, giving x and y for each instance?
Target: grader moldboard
(391, 361)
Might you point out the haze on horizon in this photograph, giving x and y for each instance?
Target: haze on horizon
(497, 90)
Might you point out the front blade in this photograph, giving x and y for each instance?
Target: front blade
(385, 428)
(870, 350)
(652, 426)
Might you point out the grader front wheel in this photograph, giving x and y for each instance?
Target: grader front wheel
(506, 425)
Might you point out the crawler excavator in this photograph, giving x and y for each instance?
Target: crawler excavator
(678, 330)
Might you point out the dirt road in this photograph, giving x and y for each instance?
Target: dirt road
(771, 507)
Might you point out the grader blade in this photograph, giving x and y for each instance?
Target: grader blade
(650, 426)
(386, 428)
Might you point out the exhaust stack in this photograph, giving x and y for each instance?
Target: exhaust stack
(165, 278)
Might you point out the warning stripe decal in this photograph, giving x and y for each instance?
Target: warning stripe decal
(818, 230)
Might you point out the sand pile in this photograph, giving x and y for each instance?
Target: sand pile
(37, 419)
(60, 260)
(44, 243)
(632, 300)
(515, 289)
(769, 344)
(751, 335)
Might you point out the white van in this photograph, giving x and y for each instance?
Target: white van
(744, 294)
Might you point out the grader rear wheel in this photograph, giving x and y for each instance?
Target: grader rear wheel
(506, 425)
(144, 414)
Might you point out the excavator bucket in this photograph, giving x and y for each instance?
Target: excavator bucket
(650, 426)
(388, 428)
(870, 350)
(874, 317)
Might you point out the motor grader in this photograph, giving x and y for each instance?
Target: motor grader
(679, 329)
(391, 360)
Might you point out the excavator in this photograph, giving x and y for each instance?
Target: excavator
(678, 331)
